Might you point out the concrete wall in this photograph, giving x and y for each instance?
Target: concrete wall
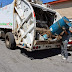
(64, 8)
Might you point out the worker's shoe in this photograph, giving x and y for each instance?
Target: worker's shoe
(64, 58)
(59, 55)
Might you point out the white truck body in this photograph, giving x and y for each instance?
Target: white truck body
(19, 17)
(6, 16)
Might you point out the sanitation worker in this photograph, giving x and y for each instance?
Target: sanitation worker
(65, 39)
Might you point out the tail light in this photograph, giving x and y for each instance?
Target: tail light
(34, 47)
(34, 14)
(37, 47)
(70, 42)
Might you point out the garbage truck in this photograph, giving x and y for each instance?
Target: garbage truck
(30, 25)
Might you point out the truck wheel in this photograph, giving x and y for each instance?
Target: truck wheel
(10, 41)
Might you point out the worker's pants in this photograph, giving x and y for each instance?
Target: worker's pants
(64, 49)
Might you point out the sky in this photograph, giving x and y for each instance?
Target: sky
(46, 1)
(5, 2)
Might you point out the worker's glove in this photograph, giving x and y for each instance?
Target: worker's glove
(63, 28)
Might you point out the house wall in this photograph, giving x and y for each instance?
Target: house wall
(64, 8)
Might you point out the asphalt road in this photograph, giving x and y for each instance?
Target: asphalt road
(19, 60)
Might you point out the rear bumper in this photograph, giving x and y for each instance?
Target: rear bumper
(46, 46)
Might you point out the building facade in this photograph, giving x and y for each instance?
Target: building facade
(64, 7)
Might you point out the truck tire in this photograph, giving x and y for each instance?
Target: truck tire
(10, 41)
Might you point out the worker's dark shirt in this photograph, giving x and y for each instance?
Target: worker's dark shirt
(66, 37)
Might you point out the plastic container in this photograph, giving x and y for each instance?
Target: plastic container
(56, 28)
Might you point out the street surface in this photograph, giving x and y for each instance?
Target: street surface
(19, 60)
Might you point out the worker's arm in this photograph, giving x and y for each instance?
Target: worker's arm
(65, 31)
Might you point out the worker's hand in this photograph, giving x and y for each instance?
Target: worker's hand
(63, 28)
(59, 37)
(70, 29)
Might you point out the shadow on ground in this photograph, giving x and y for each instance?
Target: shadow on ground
(2, 39)
(40, 54)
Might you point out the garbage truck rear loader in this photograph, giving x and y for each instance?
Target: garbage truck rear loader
(26, 24)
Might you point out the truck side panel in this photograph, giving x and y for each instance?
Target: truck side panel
(6, 14)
